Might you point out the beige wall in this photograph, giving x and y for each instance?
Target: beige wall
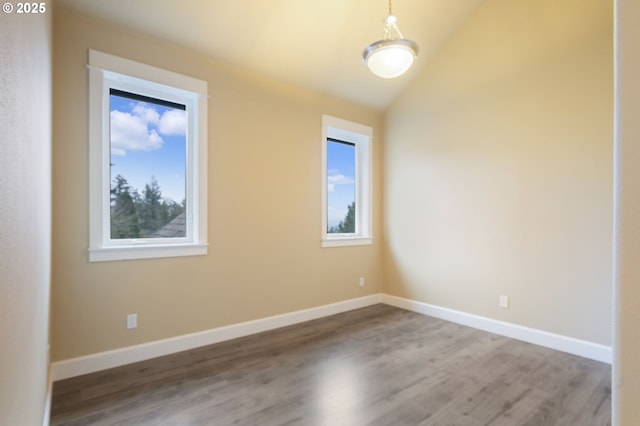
(25, 215)
(626, 367)
(498, 170)
(264, 206)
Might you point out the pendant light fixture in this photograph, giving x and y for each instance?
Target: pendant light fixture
(393, 55)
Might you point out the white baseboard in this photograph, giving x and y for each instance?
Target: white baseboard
(118, 357)
(558, 342)
(91, 363)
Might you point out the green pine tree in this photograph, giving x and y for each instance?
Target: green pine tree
(124, 216)
(348, 224)
(150, 208)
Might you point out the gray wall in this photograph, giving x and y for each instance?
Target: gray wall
(25, 215)
(626, 366)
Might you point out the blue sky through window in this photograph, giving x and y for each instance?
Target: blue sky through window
(341, 183)
(148, 139)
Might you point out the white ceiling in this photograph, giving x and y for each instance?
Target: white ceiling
(314, 44)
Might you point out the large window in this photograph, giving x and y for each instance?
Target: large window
(346, 173)
(148, 139)
(147, 161)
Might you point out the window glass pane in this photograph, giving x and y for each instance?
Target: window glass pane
(148, 167)
(341, 187)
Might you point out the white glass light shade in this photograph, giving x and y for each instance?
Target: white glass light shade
(390, 58)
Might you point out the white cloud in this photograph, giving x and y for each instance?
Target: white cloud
(118, 151)
(173, 122)
(339, 179)
(336, 178)
(146, 113)
(140, 129)
(131, 132)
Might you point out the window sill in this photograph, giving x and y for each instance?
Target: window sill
(106, 254)
(347, 241)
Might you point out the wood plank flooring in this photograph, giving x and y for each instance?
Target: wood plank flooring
(375, 366)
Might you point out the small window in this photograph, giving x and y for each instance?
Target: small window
(147, 161)
(341, 187)
(346, 218)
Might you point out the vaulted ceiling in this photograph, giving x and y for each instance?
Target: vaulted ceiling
(315, 44)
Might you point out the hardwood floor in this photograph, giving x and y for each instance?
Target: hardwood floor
(374, 366)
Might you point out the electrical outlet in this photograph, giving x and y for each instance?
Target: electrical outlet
(504, 302)
(132, 321)
(361, 281)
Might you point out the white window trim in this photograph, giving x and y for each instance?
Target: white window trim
(361, 136)
(107, 71)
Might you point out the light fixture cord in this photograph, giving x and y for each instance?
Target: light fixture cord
(390, 27)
